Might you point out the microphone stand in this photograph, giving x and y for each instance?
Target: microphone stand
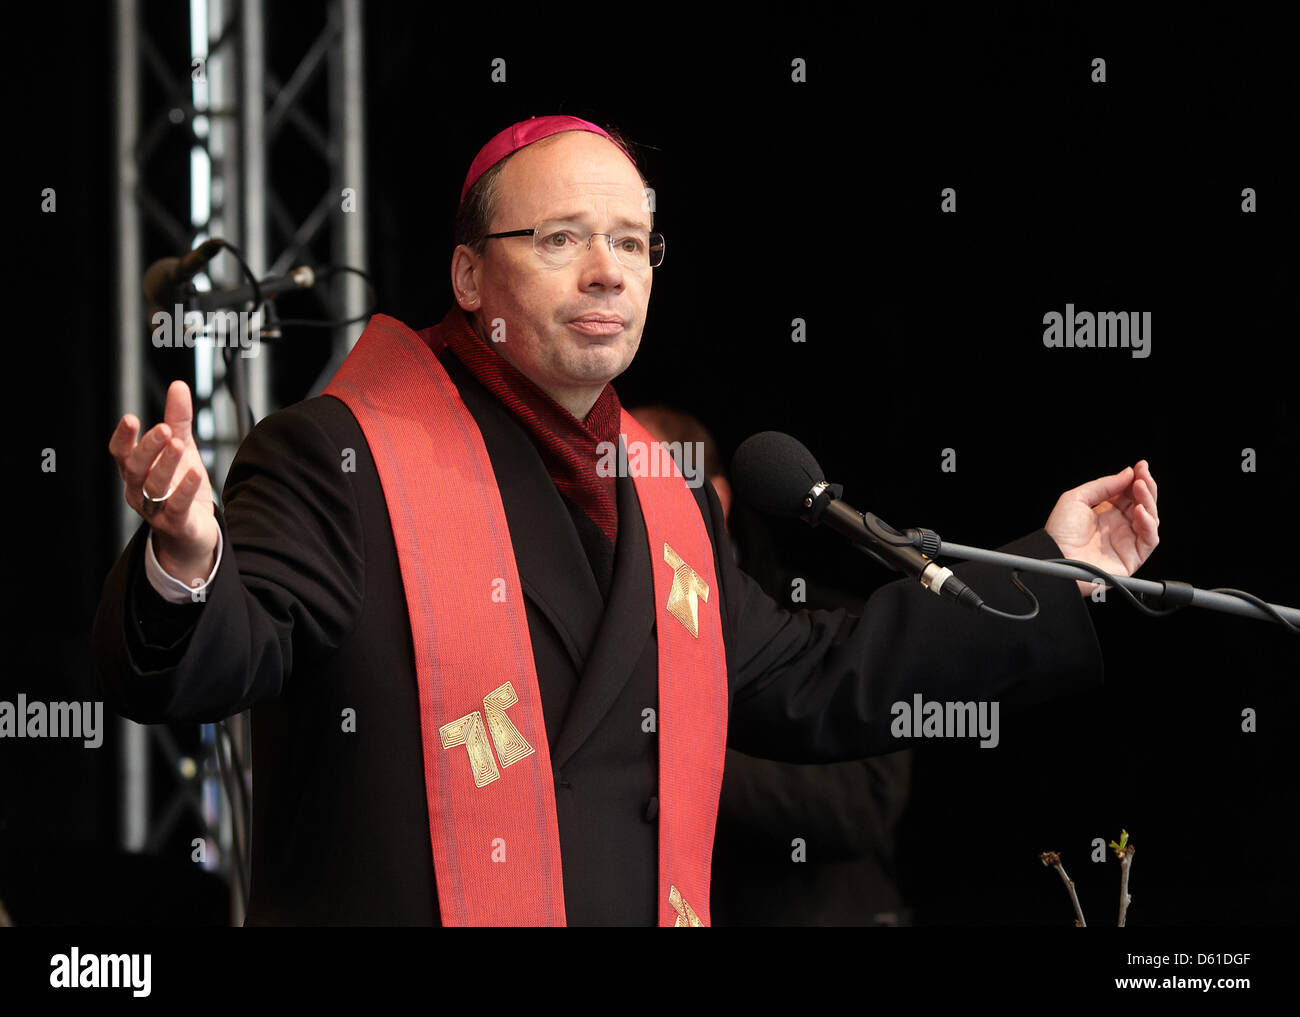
(1157, 593)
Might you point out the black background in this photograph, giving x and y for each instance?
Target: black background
(817, 200)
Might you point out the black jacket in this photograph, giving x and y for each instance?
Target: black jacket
(306, 617)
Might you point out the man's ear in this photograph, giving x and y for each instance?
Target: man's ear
(465, 278)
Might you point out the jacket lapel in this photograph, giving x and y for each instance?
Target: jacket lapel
(627, 623)
(552, 564)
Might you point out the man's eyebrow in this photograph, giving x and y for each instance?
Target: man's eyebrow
(640, 224)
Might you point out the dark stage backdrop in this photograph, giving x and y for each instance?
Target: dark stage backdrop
(817, 200)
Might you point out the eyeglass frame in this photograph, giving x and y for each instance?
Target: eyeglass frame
(609, 241)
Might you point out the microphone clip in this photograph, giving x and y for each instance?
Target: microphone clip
(818, 497)
(882, 533)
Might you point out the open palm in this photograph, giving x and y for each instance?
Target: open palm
(1110, 522)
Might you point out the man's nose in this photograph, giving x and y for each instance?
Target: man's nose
(599, 264)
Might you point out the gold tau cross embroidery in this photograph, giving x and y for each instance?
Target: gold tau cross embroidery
(686, 915)
(687, 586)
(470, 731)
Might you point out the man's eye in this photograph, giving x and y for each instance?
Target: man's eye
(559, 239)
(630, 244)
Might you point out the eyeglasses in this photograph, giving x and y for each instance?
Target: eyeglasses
(560, 243)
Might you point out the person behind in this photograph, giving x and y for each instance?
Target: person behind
(796, 844)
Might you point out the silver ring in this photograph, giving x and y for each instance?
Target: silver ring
(148, 506)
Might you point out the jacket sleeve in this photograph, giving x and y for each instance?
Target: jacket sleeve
(818, 686)
(849, 810)
(289, 585)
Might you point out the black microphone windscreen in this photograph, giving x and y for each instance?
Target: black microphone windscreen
(772, 472)
(192, 262)
(158, 281)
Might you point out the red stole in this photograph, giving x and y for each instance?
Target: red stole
(487, 770)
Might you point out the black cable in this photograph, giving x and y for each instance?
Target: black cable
(1015, 579)
(1150, 612)
(236, 763)
(1264, 606)
(236, 842)
(242, 838)
(327, 271)
(1128, 595)
(225, 767)
(1087, 567)
(243, 265)
(245, 421)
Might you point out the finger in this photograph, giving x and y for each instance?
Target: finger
(180, 410)
(1144, 471)
(1147, 531)
(123, 440)
(1094, 492)
(177, 507)
(160, 477)
(1146, 499)
(136, 465)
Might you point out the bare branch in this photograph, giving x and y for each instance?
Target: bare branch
(1053, 859)
(1125, 898)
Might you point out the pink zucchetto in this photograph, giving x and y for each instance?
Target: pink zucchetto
(517, 136)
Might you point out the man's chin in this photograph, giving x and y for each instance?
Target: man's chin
(597, 361)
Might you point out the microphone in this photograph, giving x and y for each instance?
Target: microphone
(775, 474)
(165, 278)
(301, 278)
(165, 281)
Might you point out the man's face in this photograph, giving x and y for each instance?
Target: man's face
(582, 178)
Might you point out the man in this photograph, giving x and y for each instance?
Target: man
(459, 636)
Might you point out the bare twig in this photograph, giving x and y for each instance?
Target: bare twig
(1053, 859)
(1125, 898)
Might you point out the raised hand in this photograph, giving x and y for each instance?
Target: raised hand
(1110, 522)
(166, 483)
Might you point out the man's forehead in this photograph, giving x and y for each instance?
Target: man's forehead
(571, 176)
